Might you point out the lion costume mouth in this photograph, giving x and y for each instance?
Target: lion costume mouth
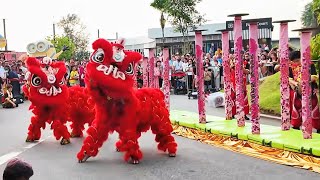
(53, 91)
(111, 69)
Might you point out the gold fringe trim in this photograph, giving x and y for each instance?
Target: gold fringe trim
(258, 151)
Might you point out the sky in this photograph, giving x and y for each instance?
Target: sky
(32, 20)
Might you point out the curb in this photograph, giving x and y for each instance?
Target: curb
(269, 116)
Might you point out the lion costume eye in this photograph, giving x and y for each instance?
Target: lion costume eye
(98, 57)
(130, 69)
(36, 81)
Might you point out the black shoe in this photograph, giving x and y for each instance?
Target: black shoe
(296, 128)
(246, 117)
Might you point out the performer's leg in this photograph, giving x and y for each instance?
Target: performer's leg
(161, 126)
(296, 119)
(34, 130)
(77, 128)
(60, 130)
(315, 114)
(246, 104)
(129, 137)
(97, 134)
(233, 99)
(119, 145)
(166, 141)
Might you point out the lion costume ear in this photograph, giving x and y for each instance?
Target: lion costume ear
(133, 56)
(32, 62)
(105, 45)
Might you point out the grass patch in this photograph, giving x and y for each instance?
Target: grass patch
(269, 95)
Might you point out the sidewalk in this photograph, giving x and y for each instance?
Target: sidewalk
(270, 136)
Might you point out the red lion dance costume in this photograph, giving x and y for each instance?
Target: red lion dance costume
(50, 101)
(233, 89)
(295, 94)
(120, 107)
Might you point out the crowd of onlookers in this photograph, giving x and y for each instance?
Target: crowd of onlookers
(13, 77)
(182, 73)
(183, 69)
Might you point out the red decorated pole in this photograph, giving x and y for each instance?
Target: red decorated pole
(226, 74)
(305, 82)
(151, 68)
(239, 69)
(200, 77)
(284, 74)
(166, 81)
(145, 72)
(254, 78)
(135, 75)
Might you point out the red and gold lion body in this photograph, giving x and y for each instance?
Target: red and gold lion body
(53, 102)
(122, 108)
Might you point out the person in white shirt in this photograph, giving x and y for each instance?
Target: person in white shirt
(2, 71)
(2, 79)
(189, 71)
(178, 64)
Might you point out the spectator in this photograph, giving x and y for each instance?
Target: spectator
(263, 64)
(2, 78)
(207, 79)
(81, 71)
(189, 71)
(216, 76)
(17, 170)
(74, 76)
(206, 62)
(220, 62)
(9, 100)
(157, 75)
(274, 60)
(13, 79)
(2, 57)
(178, 64)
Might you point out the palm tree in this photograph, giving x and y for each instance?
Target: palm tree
(160, 5)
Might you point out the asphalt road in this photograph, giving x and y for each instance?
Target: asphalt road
(195, 160)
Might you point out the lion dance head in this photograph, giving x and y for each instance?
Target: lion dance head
(46, 82)
(111, 68)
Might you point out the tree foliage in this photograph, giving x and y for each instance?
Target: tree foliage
(308, 18)
(315, 46)
(316, 9)
(82, 55)
(61, 41)
(182, 15)
(75, 31)
(311, 18)
(159, 5)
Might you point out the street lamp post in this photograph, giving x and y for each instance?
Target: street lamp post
(5, 34)
(54, 33)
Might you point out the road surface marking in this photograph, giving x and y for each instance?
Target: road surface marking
(5, 158)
